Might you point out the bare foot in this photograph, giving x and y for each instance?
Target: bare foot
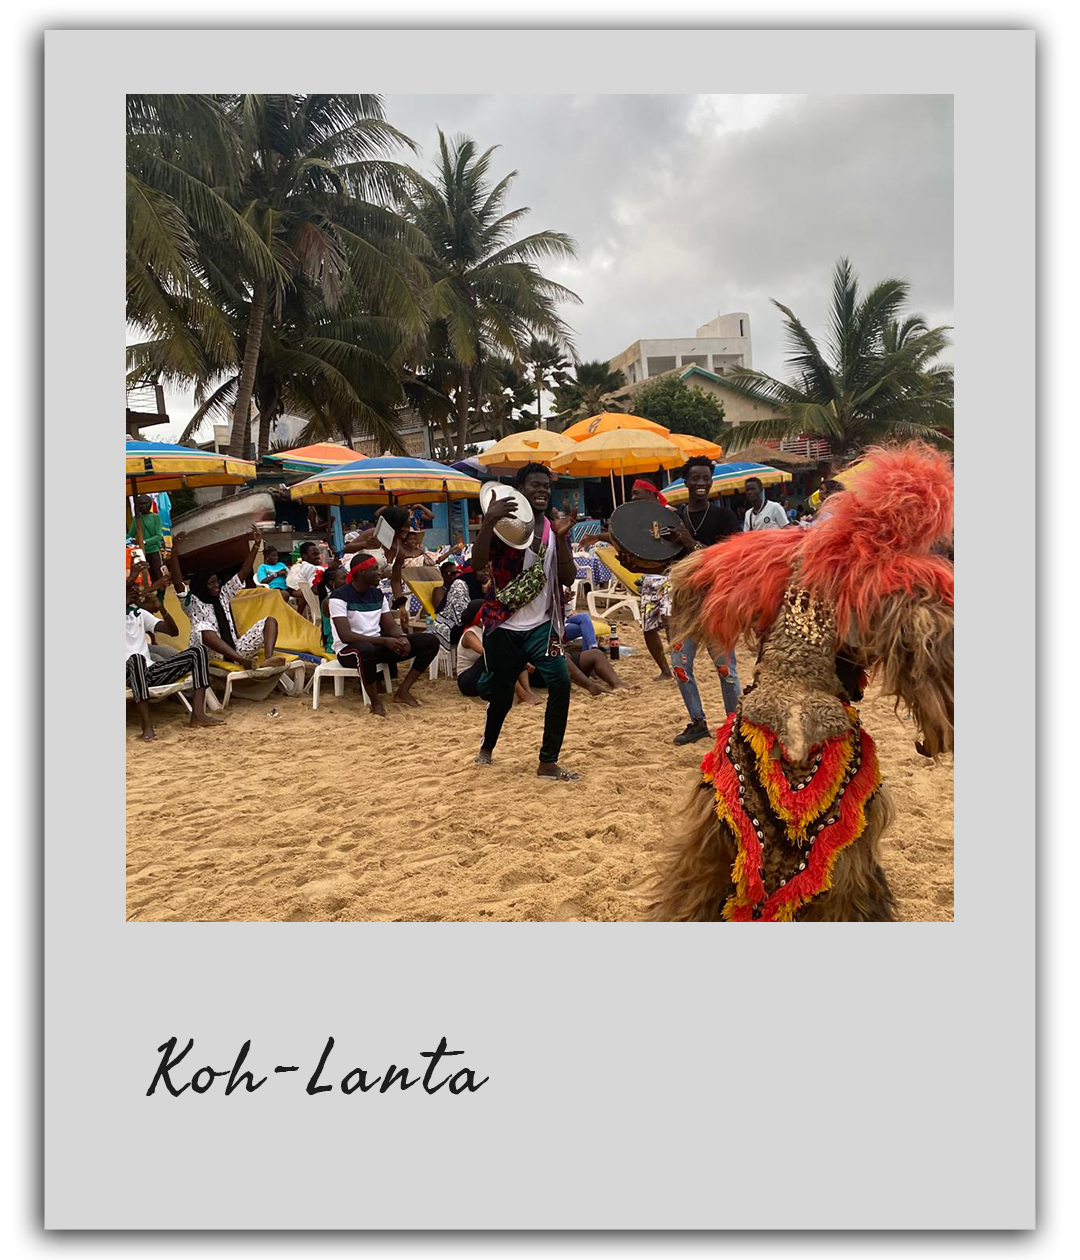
(533, 698)
(663, 678)
(552, 770)
(273, 662)
(482, 758)
(206, 720)
(149, 734)
(406, 697)
(595, 690)
(621, 685)
(377, 707)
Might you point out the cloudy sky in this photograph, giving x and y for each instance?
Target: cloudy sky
(684, 207)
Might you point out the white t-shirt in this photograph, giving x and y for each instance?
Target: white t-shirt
(530, 615)
(139, 625)
(771, 516)
(364, 610)
(302, 571)
(467, 656)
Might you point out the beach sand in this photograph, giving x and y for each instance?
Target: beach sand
(337, 815)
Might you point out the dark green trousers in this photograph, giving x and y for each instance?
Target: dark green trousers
(506, 653)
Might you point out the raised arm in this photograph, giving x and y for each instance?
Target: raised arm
(249, 559)
(560, 527)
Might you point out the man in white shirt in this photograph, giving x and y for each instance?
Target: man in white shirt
(523, 616)
(762, 512)
(146, 615)
(366, 634)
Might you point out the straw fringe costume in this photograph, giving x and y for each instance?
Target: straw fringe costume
(786, 820)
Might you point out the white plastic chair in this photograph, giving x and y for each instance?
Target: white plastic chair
(615, 598)
(289, 677)
(444, 663)
(314, 611)
(339, 672)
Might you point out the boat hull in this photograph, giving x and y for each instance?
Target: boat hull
(216, 536)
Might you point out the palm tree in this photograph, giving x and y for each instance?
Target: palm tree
(488, 294)
(878, 382)
(546, 366)
(309, 185)
(585, 394)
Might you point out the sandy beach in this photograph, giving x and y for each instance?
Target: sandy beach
(336, 815)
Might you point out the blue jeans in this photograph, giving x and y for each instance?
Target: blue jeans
(683, 652)
(580, 626)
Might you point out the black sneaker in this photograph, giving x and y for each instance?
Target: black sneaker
(694, 731)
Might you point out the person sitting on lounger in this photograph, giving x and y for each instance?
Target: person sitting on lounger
(366, 634)
(459, 606)
(146, 615)
(212, 621)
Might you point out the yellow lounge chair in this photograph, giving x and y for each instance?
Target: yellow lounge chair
(423, 581)
(295, 634)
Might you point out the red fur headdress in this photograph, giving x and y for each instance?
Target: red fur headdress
(872, 541)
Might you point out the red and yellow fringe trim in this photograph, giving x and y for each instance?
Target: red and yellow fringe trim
(796, 810)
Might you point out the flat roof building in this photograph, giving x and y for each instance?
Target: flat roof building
(718, 346)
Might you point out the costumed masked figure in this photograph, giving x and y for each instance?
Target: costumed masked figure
(788, 817)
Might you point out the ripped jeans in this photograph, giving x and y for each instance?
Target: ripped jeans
(683, 652)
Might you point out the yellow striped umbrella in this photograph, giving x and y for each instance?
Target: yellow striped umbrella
(154, 466)
(691, 445)
(619, 451)
(538, 446)
(386, 479)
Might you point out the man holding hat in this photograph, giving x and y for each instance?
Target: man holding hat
(523, 615)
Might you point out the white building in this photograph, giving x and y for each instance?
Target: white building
(718, 346)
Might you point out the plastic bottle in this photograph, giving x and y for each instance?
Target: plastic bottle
(613, 642)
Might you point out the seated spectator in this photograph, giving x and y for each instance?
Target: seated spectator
(366, 634)
(578, 625)
(459, 606)
(209, 607)
(324, 586)
(272, 571)
(146, 615)
(470, 665)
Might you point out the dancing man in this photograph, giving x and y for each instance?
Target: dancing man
(523, 616)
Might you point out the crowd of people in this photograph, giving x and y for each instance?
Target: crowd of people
(506, 613)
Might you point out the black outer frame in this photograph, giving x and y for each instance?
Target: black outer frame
(28, 25)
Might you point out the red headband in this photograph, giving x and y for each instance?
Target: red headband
(641, 484)
(360, 565)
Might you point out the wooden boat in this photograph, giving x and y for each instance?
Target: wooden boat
(216, 536)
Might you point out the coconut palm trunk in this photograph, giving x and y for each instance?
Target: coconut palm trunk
(246, 385)
(462, 413)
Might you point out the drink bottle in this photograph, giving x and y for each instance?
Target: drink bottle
(613, 643)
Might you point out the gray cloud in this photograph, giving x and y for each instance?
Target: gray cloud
(683, 207)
